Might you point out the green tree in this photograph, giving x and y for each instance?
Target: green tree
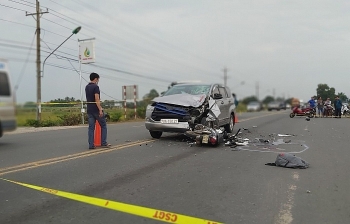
(268, 99)
(249, 99)
(343, 97)
(324, 91)
(151, 95)
(288, 101)
(66, 102)
(29, 105)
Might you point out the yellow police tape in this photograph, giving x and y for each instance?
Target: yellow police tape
(151, 213)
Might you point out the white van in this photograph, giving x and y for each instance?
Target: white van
(7, 101)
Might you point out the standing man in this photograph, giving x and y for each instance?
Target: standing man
(95, 111)
(312, 102)
(337, 105)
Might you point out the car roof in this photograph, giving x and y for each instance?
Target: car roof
(197, 83)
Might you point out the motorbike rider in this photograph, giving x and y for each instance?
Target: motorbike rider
(328, 107)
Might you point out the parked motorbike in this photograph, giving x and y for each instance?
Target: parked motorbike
(345, 111)
(329, 111)
(309, 112)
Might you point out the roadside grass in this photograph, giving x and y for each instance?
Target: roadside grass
(63, 116)
(57, 116)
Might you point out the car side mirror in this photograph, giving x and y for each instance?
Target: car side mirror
(217, 96)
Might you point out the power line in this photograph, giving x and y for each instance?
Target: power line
(21, 3)
(24, 66)
(99, 66)
(130, 73)
(57, 24)
(155, 54)
(12, 7)
(152, 37)
(143, 58)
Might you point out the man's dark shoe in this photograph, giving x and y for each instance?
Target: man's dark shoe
(107, 145)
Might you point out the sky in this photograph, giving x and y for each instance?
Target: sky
(269, 47)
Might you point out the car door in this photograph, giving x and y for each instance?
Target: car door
(224, 104)
(219, 102)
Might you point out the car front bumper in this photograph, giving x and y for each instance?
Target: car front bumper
(153, 125)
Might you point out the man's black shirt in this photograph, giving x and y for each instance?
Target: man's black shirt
(90, 90)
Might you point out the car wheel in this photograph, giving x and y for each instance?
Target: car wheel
(156, 134)
(229, 127)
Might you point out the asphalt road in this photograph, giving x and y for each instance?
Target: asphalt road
(222, 184)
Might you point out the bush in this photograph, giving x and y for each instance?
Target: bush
(115, 116)
(32, 123)
(130, 115)
(44, 123)
(141, 112)
(241, 107)
(70, 119)
(49, 123)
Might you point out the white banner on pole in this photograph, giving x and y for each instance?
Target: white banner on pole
(87, 52)
(130, 92)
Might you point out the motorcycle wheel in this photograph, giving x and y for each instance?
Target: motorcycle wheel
(291, 115)
(311, 115)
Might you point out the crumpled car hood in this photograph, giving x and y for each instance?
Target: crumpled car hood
(183, 99)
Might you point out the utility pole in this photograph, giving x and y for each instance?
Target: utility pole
(225, 76)
(38, 61)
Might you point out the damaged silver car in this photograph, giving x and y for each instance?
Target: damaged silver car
(183, 106)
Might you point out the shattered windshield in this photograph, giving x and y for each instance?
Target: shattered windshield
(188, 89)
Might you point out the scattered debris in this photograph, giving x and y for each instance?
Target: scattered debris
(255, 126)
(284, 135)
(287, 141)
(262, 140)
(308, 119)
(308, 191)
(289, 161)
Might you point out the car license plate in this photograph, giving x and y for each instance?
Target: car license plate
(169, 121)
(205, 139)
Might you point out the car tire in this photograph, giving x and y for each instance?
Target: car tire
(156, 134)
(229, 127)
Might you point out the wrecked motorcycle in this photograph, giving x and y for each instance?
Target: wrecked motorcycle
(208, 131)
(206, 135)
(309, 112)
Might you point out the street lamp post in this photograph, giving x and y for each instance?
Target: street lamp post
(75, 31)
